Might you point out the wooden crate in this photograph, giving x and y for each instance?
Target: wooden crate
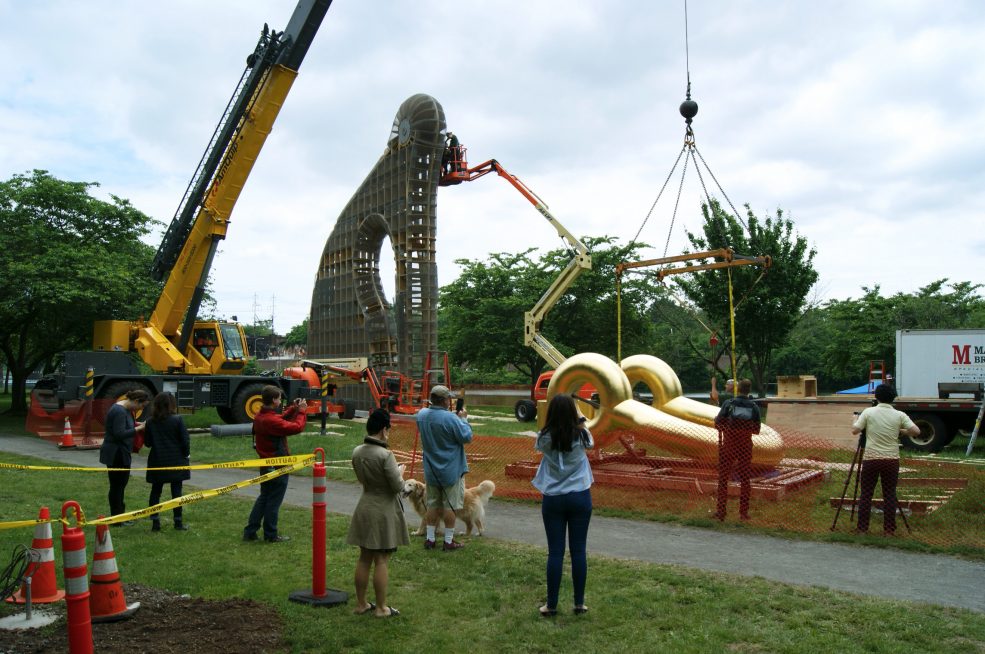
(796, 386)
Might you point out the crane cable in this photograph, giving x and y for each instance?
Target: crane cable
(731, 315)
(690, 152)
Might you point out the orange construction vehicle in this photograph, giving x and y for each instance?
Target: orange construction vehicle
(391, 390)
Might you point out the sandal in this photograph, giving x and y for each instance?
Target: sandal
(369, 609)
(547, 613)
(392, 613)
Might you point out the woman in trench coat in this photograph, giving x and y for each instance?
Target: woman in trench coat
(377, 525)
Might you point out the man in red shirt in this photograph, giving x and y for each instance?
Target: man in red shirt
(270, 432)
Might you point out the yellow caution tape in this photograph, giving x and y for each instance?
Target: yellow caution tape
(198, 495)
(298, 462)
(304, 459)
(23, 523)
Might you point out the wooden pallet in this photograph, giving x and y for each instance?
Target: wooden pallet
(917, 504)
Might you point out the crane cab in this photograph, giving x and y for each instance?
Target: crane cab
(218, 346)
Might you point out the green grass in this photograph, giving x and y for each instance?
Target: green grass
(484, 598)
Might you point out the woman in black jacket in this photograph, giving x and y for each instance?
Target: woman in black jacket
(170, 446)
(118, 445)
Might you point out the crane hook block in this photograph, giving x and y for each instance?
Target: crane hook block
(689, 109)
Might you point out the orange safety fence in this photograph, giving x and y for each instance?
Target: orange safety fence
(87, 424)
(943, 502)
(644, 474)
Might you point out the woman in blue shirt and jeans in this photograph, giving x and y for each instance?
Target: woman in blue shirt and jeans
(565, 478)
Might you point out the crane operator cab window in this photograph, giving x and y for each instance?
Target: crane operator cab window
(232, 340)
(206, 341)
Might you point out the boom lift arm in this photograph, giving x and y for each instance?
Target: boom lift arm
(190, 243)
(456, 171)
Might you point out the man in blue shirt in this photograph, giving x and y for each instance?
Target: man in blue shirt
(443, 438)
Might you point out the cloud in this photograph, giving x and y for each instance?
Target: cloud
(865, 122)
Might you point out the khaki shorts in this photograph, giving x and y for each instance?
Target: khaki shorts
(447, 497)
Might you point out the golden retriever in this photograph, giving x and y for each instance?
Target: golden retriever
(472, 513)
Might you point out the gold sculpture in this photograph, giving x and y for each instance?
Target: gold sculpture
(673, 422)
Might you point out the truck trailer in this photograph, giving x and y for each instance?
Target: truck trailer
(940, 374)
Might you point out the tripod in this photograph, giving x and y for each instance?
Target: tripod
(856, 467)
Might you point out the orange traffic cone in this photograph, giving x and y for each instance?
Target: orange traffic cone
(106, 601)
(41, 569)
(68, 441)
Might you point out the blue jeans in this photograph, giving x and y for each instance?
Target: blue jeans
(569, 513)
(267, 506)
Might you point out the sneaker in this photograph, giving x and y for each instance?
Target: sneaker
(126, 523)
(454, 545)
(277, 539)
(181, 527)
(429, 544)
(250, 537)
(155, 526)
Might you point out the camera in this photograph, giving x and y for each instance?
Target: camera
(459, 404)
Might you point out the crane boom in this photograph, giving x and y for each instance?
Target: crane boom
(189, 245)
(456, 172)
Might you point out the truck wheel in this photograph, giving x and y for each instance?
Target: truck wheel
(247, 403)
(933, 434)
(348, 411)
(118, 391)
(525, 410)
(225, 415)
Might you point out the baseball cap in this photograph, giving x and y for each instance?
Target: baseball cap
(440, 391)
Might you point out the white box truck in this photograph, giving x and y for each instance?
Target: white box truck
(940, 375)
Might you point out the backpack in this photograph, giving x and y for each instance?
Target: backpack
(739, 417)
(740, 412)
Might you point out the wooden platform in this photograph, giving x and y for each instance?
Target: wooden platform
(658, 473)
(943, 489)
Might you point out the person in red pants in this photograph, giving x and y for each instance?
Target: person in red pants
(737, 421)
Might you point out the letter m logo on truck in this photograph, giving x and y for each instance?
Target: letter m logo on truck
(962, 355)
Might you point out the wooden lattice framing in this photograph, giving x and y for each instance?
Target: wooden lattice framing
(350, 314)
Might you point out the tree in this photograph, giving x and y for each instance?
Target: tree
(767, 307)
(864, 330)
(804, 351)
(298, 336)
(681, 340)
(481, 313)
(66, 260)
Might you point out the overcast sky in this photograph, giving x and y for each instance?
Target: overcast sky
(863, 120)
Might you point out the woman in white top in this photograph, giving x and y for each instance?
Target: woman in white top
(565, 478)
